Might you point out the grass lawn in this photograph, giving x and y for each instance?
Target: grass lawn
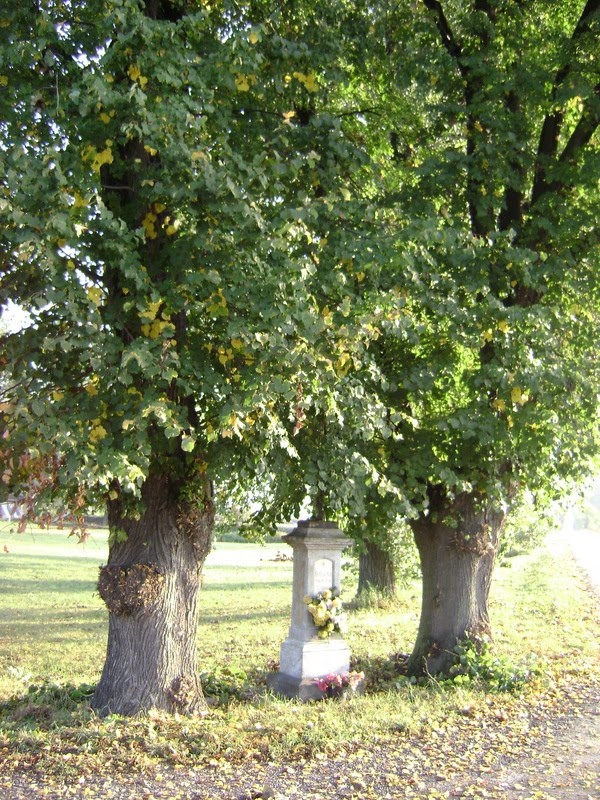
(53, 632)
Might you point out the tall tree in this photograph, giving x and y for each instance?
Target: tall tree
(162, 172)
(488, 305)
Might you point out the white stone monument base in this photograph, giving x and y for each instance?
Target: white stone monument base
(303, 662)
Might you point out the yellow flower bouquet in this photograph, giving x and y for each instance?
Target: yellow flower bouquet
(325, 609)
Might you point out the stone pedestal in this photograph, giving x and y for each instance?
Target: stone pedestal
(317, 567)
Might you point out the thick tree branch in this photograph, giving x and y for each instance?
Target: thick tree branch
(512, 210)
(448, 40)
(584, 130)
(551, 127)
(480, 219)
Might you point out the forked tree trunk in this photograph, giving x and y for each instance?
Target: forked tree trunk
(457, 564)
(150, 586)
(376, 570)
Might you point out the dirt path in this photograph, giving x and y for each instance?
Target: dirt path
(549, 750)
(585, 546)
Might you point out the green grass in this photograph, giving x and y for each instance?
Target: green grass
(53, 631)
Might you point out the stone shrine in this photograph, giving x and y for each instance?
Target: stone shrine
(304, 657)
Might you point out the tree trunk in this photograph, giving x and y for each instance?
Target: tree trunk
(150, 586)
(376, 570)
(457, 564)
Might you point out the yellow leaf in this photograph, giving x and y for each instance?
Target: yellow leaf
(56, 395)
(148, 225)
(135, 75)
(98, 432)
(499, 404)
(151, 311)
(225, 355)
(254, 37)
(310, 83)
(197, 155)
(79, 201)
(171, 230)
(241, 83)
(237, 344)
(152, 150)
(517, 395)
(343, 364)
(503, 326)
(157, 328)
(105, 118)
(487, 335)
(288, 116)
(3, 80)
(113, 495)
(104, 157)
(94, 293)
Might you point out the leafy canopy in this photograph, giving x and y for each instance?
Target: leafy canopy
(168, 168)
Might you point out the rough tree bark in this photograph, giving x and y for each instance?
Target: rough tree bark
(150, 586)
(457, 564)
(376, 570)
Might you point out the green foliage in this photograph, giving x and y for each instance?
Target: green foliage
(486, 345)
(476, 667)
(221, 686)
(47, 704)
(169, 173)
(476, 664)
(329, 265)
